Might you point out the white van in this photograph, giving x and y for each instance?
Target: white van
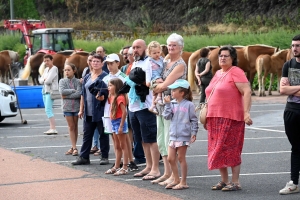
(8, 102)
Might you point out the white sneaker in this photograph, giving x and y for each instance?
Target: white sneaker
(51, 132)
(289, 188)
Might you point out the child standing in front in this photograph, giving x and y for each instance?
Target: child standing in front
(156, 60)
(118, 114)
(183, 129)
(70, 90)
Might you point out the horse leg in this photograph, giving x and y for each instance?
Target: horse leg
(271, 83)
(252, 74)
(260, 82)
(279, 73)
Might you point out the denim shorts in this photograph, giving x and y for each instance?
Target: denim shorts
(116, 124)
(70, 114)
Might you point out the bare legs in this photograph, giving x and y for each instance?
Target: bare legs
(177, 183)
(73, 129)
(235, 174)
(52, 123)
(152, 160)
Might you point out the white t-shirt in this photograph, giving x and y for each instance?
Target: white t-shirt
(146, 66)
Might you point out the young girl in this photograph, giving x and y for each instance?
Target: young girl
(156, 60)
(118, 116)
(183, 129)
(70, 89)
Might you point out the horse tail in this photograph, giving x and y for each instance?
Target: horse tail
(259, 66)
(27, 70)
(246, 52)
(191, 72)
(42, 68)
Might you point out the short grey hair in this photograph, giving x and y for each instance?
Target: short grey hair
(130, 50)
(174, 37)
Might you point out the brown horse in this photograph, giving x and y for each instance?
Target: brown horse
(5, 61)
(7, 58)
(193, 59)
(59, 61)
(33, 64)
(289, 55)
(251, 53)
(32, 67)
(270, 65)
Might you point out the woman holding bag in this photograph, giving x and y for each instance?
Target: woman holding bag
(228, 112)
(49, 80)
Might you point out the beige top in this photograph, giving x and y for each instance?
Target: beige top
(49, 79)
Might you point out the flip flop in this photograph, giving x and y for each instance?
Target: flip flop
(149, 177)
(160, 179)
(180, 187)
(140, 174)
(166, 182)
(171, 185)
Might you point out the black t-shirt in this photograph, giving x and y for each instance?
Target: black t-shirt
(201, 67)
(291, 70)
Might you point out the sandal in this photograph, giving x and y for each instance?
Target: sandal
(75, 152)
(232, 187)
(69, 152)
(94, 150)
(122, 171)
(111, 171)
(97, 153)
(219, 186)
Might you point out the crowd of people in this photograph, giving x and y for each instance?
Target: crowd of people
(146, 106)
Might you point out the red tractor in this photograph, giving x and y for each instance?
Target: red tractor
(45, 40)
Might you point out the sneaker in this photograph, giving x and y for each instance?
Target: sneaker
(289, 188)
(51, 132)
(104, 161)
(132, 166)
(81, 161)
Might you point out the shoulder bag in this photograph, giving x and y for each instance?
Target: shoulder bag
(55, 94)
(203, 106)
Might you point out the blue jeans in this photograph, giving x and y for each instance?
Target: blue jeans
(48, 102)
(96, 142)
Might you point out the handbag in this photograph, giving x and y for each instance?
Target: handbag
(54, 94)
(204, 107)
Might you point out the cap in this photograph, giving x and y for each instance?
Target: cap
(112, 57)
(179, 83)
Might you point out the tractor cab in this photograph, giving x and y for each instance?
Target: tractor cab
(52, 40)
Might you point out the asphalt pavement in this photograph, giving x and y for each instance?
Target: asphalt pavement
(33, 165)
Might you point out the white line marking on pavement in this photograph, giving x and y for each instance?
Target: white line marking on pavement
(264, 105)
(263, 129)
(265, 111)
(208, 176)
(35, 127)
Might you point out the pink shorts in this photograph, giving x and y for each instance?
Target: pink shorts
(176, 144)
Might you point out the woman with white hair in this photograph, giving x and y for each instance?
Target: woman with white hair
(174, 68)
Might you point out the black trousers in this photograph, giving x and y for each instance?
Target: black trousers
(204, 83)
(291, 118)
(88, 133)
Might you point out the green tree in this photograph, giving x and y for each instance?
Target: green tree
(25, 9)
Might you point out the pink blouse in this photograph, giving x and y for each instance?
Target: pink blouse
(226, 100)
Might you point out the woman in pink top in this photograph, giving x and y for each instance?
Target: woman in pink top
(228, 111)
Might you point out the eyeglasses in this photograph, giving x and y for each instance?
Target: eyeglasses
(295, 45)
(224, 56)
